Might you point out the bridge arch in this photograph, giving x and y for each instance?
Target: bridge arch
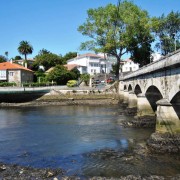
(173, 92)
(158, 83)
(125, 87)
(176, 103)
(153, 94)
(129, 87)
(137, 89)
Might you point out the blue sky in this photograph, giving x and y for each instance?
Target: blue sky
(52, 24)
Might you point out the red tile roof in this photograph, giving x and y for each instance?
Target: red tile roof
(70, 66)
(90, 55)
(8, 65)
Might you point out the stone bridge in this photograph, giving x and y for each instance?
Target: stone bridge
(153, 92)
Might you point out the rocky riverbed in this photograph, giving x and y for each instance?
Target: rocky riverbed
(141, 151)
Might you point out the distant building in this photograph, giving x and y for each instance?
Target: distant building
(92, 63)
(156, 56)
(128, 65)
(21, 61)
(11, 72)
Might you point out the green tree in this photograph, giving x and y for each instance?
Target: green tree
(141, 54)
(2, 59)
(25, 48)
(167, 31)
(17, 58)
(69, 55)
(85, 78)
(75, 73)
(44, 51)
(40, 76)
(47, 60)
(60, 75)
(115, 30)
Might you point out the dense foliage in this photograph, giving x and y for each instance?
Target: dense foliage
(85, 78)
(61, 75)
(2, 59)
(7, 84)
(116, 30)
(47, 60)
(71, 83)
(68, 56)
(167, 31)
(17, 58)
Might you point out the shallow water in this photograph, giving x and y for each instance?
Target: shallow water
(83, 140)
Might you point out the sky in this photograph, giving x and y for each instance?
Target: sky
(53, 24)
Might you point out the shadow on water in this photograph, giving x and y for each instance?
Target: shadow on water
(21, 96)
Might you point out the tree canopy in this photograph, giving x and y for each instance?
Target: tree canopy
(2, 59)
(167, 31)
(43, 51)
(25, 48)
(69, 55)
(17, 58)
(47, 60)
(61, 75)
(116, 30)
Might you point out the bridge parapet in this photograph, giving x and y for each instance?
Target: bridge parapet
(168, 61)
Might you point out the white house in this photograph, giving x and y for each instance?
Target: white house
(92, 63)
(128, 65)
(156, 56)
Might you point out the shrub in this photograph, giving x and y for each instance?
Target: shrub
(71, 83)
(7, 84)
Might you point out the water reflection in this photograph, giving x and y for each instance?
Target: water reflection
(84, 140)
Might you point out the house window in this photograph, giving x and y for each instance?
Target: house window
(11, 73)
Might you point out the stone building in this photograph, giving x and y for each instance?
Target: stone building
(11, 72)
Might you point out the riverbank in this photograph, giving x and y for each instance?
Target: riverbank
(12, 172)
(71, 99)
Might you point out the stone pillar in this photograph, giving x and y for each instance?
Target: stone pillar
(126, 97)
(145, 115)
(167, 135)
(121, 95)
(167, 120)
(143, 106)
(132, 103)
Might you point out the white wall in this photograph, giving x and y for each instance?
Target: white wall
(91, 64)
(129, 66)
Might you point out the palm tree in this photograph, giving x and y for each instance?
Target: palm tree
(25, 48)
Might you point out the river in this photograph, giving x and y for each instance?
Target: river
(83, 140)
